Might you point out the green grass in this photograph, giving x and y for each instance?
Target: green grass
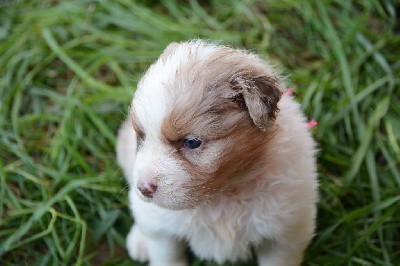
(68, 70)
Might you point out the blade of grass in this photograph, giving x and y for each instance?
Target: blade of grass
(80, 72)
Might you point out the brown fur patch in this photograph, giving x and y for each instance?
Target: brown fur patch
(225, 100)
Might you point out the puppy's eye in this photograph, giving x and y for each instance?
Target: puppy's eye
(140, 136)
(192, 143)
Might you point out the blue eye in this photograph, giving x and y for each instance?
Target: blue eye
(191, 143)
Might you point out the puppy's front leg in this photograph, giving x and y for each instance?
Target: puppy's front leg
(159, 249)
(271, 253)
(165, 251)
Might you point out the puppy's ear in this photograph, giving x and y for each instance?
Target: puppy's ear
(260, 95)
(167, 51)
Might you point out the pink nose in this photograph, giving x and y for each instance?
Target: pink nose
(147, 188)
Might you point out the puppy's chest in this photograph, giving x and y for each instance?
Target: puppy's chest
(226, 231)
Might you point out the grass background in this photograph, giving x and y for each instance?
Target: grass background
(68, 70)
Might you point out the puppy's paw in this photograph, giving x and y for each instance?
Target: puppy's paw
(136, 245)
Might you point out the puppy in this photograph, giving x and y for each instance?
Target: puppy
(217, 158)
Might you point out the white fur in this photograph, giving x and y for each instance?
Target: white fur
(274, 212)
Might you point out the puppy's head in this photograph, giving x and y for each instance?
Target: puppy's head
(203, 115)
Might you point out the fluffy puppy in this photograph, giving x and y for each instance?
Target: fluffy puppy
(217, 158)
